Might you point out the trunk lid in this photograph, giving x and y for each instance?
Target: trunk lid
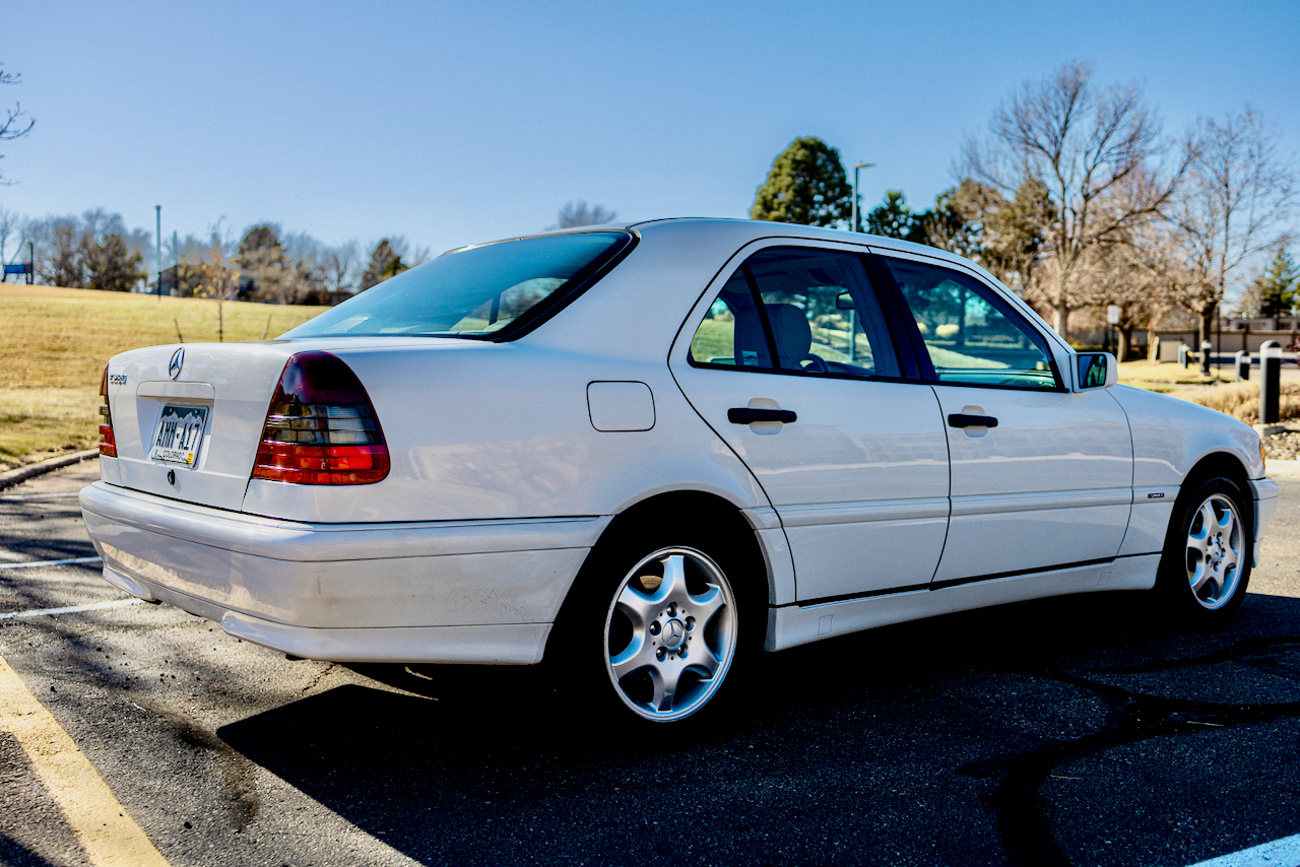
(209, 414)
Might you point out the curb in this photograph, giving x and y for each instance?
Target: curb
(40, 468)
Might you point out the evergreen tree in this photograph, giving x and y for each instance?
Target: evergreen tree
(892, 218)
(1278, 286)
(385, 262)
(261, 259)
(807, 185)
(112, 266)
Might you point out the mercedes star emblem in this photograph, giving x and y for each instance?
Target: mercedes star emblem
(178, 360)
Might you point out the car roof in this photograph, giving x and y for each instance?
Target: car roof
(735, 233)
(748, 230)
(753, 230)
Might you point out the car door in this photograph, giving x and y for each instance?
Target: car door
(1041, 475)
(791, 360)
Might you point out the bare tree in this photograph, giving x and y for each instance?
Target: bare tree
(1080, 142)
(340, 264)
(579, 213)
(16, 123)
(1235, 206)
(10, 231)
(67, 259)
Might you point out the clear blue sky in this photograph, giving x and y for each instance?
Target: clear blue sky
(459, 122)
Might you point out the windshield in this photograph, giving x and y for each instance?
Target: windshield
(492, 291)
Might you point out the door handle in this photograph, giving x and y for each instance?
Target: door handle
(749, 415)
(961, 419)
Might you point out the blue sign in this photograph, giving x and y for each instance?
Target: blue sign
(18, 268)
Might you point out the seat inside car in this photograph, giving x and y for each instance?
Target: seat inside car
(792, 332)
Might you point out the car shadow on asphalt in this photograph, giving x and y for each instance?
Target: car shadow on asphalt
(1029, 734)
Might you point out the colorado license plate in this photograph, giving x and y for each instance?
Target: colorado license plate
(179, 434)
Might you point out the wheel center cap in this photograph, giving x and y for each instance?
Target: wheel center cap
(674, 633)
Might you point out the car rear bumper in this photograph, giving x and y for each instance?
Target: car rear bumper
(467, 591)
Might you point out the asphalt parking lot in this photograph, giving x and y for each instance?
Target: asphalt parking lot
(1077, 731)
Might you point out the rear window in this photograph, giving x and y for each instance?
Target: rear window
(494, 292)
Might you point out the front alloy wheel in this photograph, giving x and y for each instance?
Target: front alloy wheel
(670, 634)
(1206, 564)
(1215, 551)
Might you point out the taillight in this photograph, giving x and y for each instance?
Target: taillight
(107, 444)
(321, 427)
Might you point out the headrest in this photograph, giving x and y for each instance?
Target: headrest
(792, 332)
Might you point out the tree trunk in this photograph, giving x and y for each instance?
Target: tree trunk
(1125, 339)
(1062, 320)
(1206, 326)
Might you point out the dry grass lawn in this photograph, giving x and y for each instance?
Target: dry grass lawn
(1241, 399)
(1237, 399)
(55, 343)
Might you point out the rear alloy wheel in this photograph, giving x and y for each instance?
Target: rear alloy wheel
(1206, 564)
(670, 634)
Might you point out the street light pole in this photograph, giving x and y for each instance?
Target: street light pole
(856, 224)
(158, 214)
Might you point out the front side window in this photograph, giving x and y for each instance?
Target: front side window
(490, 292)
(971, 335)
(799, 310)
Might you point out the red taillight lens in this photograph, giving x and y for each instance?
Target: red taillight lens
(107, 444)
(321, 428)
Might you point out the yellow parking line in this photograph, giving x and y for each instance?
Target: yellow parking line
(109, 836)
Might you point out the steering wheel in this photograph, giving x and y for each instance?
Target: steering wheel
(814, 363)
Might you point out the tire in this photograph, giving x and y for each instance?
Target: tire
(656, 633)
(1207, 558)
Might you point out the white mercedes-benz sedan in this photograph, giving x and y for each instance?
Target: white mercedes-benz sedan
(648, 451)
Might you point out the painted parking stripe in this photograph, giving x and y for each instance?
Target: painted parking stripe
(33, 564)
(1279, 853)
(23, 498)
(109, 836)
(71, 609)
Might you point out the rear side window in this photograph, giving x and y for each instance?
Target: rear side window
(972, 336)
(494, 291)
(800, 310)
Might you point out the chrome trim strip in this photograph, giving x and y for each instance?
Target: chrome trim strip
(1037, 502)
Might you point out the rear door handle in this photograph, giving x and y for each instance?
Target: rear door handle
(749, 415)
(961, 419)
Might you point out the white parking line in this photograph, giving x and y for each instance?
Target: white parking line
(1279, 853)
(108, 834)
(32, 565)
(71, 609)
(22, 498)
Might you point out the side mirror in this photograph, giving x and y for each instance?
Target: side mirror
(844, 301)
(1095, 370)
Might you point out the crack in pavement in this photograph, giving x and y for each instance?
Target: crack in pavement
(1024, 823)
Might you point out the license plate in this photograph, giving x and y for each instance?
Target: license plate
(179, 434)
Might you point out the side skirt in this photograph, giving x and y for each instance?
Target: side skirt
(792, 625)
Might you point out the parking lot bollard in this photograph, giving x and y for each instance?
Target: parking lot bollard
(1270, 381)
(1183, 355)
(1205, 358)
(1243, 366)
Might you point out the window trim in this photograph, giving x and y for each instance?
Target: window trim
(931, 376)
(738, 263)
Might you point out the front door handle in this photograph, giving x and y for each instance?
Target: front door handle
(961, 419)
(749, 415)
